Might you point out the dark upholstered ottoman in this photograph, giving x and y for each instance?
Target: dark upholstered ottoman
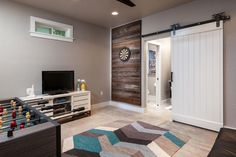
(225, 145)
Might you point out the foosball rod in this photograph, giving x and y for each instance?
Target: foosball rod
(9, 114)
(19, 116)
(5, 127)
(53, 110)
(68, 113)
(9, 104)
(23, 117)
(10, 107)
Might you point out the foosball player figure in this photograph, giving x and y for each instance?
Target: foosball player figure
(22, 125)
(32, 114)
(10, 132)
(13, 124)
(12, 101)
(27, 118)
(1, 109)
(1, 122)
(14, 105)
(20, 110)
(13, 114)
(4, 114)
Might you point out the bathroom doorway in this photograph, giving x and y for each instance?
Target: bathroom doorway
(158, 73)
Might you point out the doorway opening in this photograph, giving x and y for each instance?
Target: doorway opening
(158, 74)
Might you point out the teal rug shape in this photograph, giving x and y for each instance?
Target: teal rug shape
(174, 139)
(90, 144)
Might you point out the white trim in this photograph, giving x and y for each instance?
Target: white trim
(121, 105)
(100, 105)
(143, 73)
(229, 127)
(197, 122)
(45, 36)
(46, 96)
(159, 68)
(165, 100)
(127, 106)
(110, 64)
(68, 29)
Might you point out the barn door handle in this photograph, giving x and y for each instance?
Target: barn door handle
(171, 77)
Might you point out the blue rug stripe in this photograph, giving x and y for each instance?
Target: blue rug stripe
(111, 135)
(90, 144)
(174, 139)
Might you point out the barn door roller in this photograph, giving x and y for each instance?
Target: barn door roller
(220, 16)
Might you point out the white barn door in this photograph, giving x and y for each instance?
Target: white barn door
(197, 66)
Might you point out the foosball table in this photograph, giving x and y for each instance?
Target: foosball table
(22, 127)
(15, 116)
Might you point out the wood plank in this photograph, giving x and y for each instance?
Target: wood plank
(126, 76)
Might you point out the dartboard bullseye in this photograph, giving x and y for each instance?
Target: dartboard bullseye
(125, 54)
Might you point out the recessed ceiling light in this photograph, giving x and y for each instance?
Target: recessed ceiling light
(114, 13)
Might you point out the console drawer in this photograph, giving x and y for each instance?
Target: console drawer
(81, 102)
(85, 107)
(82, 97)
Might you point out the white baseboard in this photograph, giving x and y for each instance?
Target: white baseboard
(165, 100)
(198, 122)
(230, 127)
(101, 104)
(127, 106)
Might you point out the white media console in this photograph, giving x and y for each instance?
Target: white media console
(62, 107)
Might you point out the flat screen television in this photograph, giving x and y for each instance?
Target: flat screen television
(57, 82)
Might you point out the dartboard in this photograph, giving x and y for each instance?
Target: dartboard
(125, 54)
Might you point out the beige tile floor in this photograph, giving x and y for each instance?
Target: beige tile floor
(199, 145)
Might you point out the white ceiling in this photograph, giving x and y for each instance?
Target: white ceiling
(99, 11)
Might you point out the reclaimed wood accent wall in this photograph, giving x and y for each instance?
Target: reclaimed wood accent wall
(126, 76)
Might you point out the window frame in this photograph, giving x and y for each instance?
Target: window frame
(54, 25)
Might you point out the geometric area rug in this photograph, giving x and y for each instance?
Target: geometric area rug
(137, 139)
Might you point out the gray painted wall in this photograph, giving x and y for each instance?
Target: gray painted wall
(22, 57)
(200, 10)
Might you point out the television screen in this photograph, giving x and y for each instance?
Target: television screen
(57, 82)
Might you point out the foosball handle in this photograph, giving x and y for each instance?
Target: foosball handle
(10, 133)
